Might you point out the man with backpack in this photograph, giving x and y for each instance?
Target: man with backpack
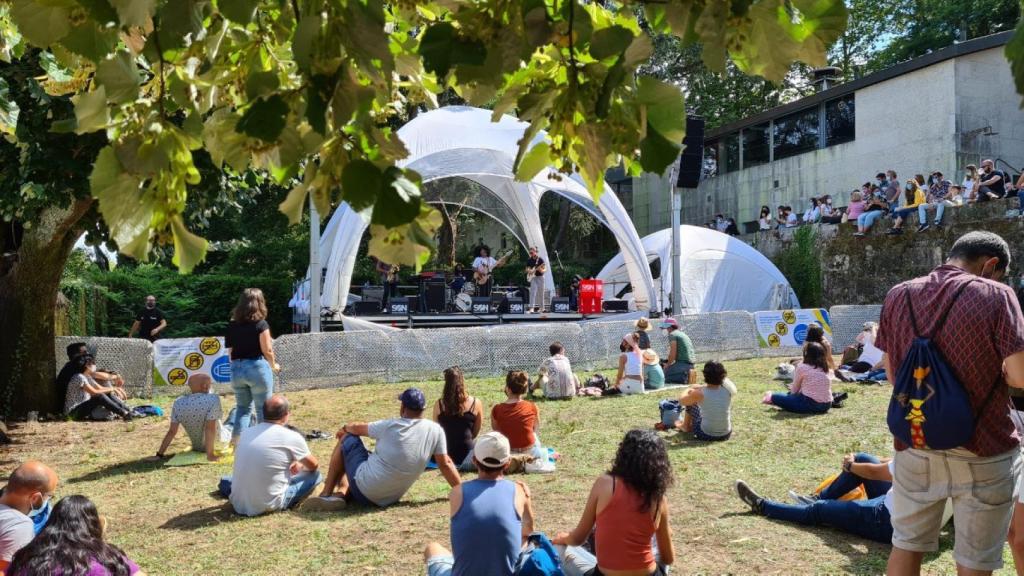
(953, 340)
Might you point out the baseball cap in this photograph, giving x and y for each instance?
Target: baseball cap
(492, 449)
(413, 399)
(669, 323)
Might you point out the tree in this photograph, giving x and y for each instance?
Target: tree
(307, 91)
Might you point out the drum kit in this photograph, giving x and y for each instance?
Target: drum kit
(464, 299)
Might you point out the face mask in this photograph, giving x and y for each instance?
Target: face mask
(45, 505)
(908, 187)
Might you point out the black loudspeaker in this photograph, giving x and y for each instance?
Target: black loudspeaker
(481, 305)
(366, 308)
(401, 305)
(373, 294)
(512, 305)
(560, 305)
(691, 163)
(616, 306)
(435, 293)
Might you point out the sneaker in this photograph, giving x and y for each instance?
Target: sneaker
(749, 497)
(323, 504)
(894, 232)
(938, 225)
(806, 500)
(924, 226)
(858, 234)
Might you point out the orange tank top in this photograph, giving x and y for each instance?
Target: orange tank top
(623, 538)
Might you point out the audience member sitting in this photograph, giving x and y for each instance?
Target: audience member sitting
(627, 508)
(490, 518)
(380, 478)
(72, 544)
(829, 215)
(708, 408)
(274, 469)
(69, 369)
(811, 391)
(764, 219)
(654, 376)
(815, 333)
(681, 356)
(813, 213)
(869, 361)
(642, 326)
(915, 198)
(460, 416)
(856, 206)
(940, 195)
(555, 376)
(25, 498)
(865, 518)
(517, 419)
(875, 208)
(200, 413)
(791, 219)
(732, 229)
(85, 394)
(630, 378)
(969, 185)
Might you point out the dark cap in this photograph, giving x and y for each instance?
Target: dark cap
(413, 399)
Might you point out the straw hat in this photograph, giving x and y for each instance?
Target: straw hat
(643, 324)
(651, 357)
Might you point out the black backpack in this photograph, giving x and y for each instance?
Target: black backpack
(598, 381)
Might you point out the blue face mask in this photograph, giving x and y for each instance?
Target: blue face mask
(43, 507)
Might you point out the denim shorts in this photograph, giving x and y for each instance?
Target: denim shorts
(355, 454)
(440, 565)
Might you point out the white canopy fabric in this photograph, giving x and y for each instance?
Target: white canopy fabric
(719, 273)
(461, 141)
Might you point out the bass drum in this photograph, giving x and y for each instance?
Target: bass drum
(469, 288)
(464, 302)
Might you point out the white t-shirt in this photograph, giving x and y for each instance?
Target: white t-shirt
(967, 186)
(791, 220)
(870, 353)
(403, 448)
(481, 261)
(888, 495)
(261, 475)
(15, 532)
(764, 223)
(193, 411)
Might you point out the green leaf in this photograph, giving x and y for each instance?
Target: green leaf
(224, 143)
(89, 40)
(100, 10)
(91, 111)
(316, 104)
(594, 152)
(610, 41)
(42, 22)
(408, 244)
(534, 161)
(265, 119)
(261, 83)
(294, 203)
(8, 109)
(361, 184)
(189, 249)
(1015, 54)
(399, 201)
(120, 78)
(125, 211)
(656, 152)
(302, 42)
(178, 20)
(240, 11)
(442, 49)
(135, 12)
(666, 109)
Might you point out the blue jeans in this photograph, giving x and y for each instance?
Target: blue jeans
(847, 481)
(800, 404)
(867, 219)
(1020, 200)
(299, 486)
(695, 418)
(922, 211)
(354, 454)
(253, 383)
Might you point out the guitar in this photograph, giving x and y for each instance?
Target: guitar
(390, 271)
(481, 278)
(535, 271)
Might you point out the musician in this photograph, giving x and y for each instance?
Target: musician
(389, 279)
(483, 266)
(574, 292)
(535, 269)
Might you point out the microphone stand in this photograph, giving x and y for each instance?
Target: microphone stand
(561, 269)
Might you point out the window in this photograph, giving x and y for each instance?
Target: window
(796, 133)
(756, 145)
(731, 153)
(710, 168)
(839, 120)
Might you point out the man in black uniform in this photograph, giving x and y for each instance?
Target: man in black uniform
(149, 322)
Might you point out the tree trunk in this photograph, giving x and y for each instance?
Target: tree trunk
(28, 292)
(563, 223)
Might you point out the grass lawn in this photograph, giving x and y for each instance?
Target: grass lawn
(170, 521)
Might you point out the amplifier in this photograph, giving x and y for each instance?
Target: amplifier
(514, 305)
(366, 308)
(616, 306)
(560, 305)
(435, 296)
(403, 305)
(373, 294)
(481, 305)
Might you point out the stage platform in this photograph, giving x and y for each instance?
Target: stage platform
(458, 319)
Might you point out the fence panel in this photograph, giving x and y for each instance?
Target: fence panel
(130, 357)
(333, 359)
(426, 353)
(848, 321)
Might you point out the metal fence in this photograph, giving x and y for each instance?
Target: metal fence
(335, 359)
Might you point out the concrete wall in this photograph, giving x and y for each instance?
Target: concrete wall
(987, 99)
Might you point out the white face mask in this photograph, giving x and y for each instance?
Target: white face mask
(34, 511)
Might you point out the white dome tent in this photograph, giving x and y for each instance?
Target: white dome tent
(463, 142)
(719, 273)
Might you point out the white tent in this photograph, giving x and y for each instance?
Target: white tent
(719, 273)
(460, 141)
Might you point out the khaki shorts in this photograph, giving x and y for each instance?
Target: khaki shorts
(983, 490)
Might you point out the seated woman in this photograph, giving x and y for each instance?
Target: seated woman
(627, 508)
(460, 416)
(630, 379)
(708, 408)
(865, 518)
(642, 326)
(811, 391)
(654, 376)
(517, 419)
(72, 543)
(915, 197)
(815, 333)
(85, 394)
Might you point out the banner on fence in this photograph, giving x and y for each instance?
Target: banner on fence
(174, 360)
(781, 328)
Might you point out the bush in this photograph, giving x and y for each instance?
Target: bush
(800, 263)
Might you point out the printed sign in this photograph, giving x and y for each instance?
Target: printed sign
(781, 328)
(175, 359)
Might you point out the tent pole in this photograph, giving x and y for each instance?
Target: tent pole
(314, 267)
(677, 249)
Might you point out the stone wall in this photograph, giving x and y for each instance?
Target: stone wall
(860, 270)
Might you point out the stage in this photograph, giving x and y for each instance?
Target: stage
(459, 319)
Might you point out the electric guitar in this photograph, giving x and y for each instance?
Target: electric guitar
(535, 271)
(390, 271)
(484, 276)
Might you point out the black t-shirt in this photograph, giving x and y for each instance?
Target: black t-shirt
(534, 262)
(149, 318)
(244, 339)
(64, 378)
(998, 188)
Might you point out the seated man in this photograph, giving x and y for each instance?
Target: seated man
(490, 518)
(111, 378)
(681, 355)
(25, 498)
(274, 469)
(555, 375)
(404, 446)
(866, 518)
(200, 413)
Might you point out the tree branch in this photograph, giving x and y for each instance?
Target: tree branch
(160, 55)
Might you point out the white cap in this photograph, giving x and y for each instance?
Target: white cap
(492, 449)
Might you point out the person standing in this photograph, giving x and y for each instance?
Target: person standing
(952, 306)
(389, 279)
(253, 364)
(483, 268)
(149, 322)
(26, 496)
(536, 267)
(681, 356)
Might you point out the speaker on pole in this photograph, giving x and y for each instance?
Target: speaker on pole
(691, 163)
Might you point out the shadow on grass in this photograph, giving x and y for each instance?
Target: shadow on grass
(787, 415)
(356, 510)
(119, 469)
(203, 518)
